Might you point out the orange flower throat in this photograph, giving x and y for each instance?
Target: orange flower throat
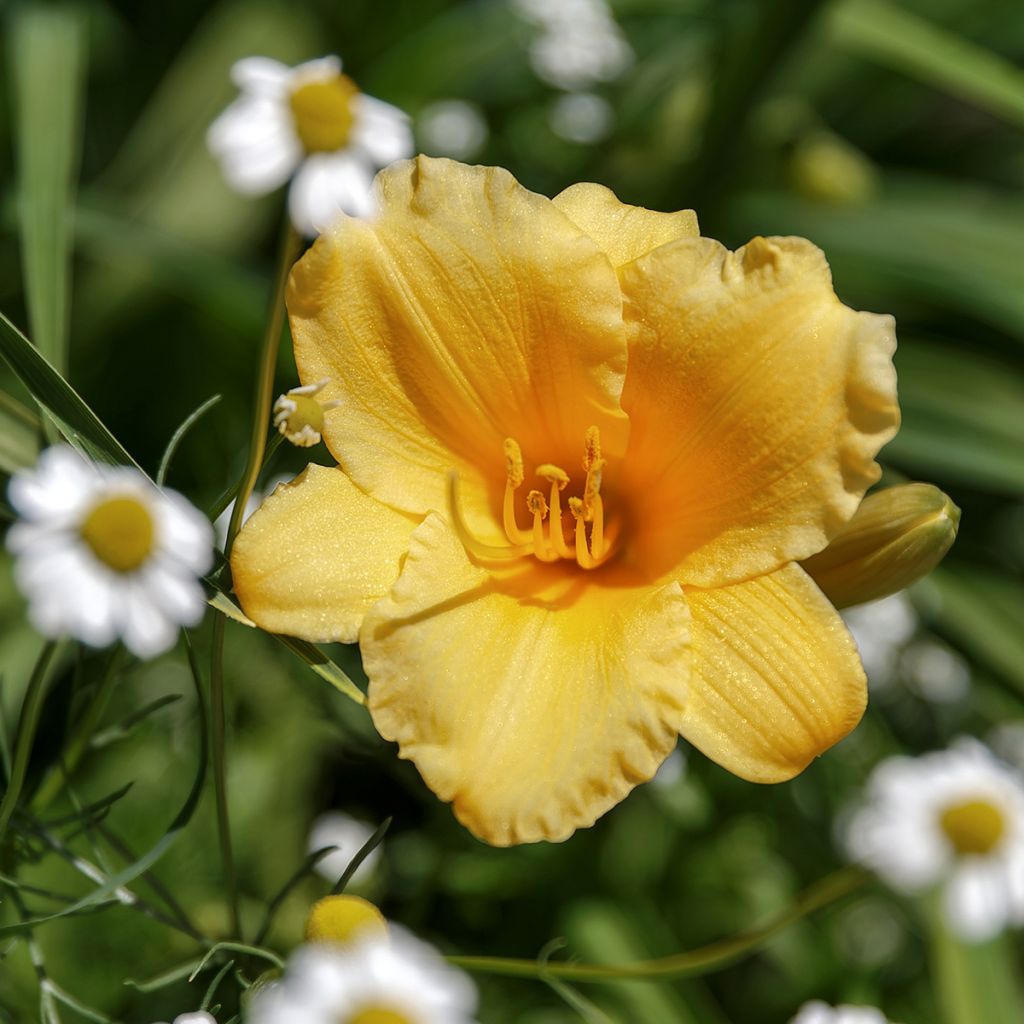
(546, 537)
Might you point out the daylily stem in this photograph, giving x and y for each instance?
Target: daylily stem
(695, 961)
(28, 721)
(287, 252)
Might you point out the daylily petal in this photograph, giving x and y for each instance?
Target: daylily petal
(469, 311)
(316, 555)
(532, 700)
(623, 232)
(757, 402)
(776, 679)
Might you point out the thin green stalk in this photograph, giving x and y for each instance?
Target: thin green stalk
(257, 445)
(696, 961)
(82, 736)
(287, 253)
(28, 721)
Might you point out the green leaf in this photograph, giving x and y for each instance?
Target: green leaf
(178, 436)
(102, 894)
(898, 39)
(19, 435)
(982, 611)
(362, 853)
(961, 417)
(47, 46)
(323, 667)
(75, 420)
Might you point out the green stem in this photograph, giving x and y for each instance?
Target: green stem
(695, 961)
(287, 252)
(218, 734)
(28, 721)
(80, 740)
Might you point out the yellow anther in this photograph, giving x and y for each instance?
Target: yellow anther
(536, 504)
(513, 463)
(592, 489)
(576, 507)
(592, 448)
(553, 475)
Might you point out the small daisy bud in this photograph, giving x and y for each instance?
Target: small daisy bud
(341, 919)
(300, 417)
(896, 536)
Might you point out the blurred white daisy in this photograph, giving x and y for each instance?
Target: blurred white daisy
(582, 117)
(817, 1012)
(349, 835)
(452, 128)
(394, 978)
(953, 818)
(881, 630)
(202, 1017)
(312, 122)
(579, 42)
(101, 553)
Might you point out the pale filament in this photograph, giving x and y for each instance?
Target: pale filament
(545, 538)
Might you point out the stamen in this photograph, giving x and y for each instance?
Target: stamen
(582, 551)
(477, 548)
(538, 506)
(514, 479)
(592, 448)
(559, 480)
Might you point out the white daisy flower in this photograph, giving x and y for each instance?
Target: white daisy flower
(202, 1017)
(817, 1012)
(101, 553)
(312, 122)
(349, 835)
(396, 978)
(953, 818)
(579, 42)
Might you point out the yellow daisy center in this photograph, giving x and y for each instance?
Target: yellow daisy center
(546, 537)
(973, 826)
(340, 918)
(322, 112)
(119, 532)
(379, 1015)
(308, 413)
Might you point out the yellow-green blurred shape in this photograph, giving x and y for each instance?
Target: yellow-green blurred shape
(826, 167)
(342, 919)
(896, 536)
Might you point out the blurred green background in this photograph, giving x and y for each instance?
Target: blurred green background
(889, 133)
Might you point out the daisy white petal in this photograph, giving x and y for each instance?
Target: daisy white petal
(261, 76)
(328, 185)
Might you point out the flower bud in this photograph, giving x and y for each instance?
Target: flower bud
(342, 918)
(896, 536)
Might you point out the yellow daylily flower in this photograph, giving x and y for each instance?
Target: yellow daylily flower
(583, 451)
